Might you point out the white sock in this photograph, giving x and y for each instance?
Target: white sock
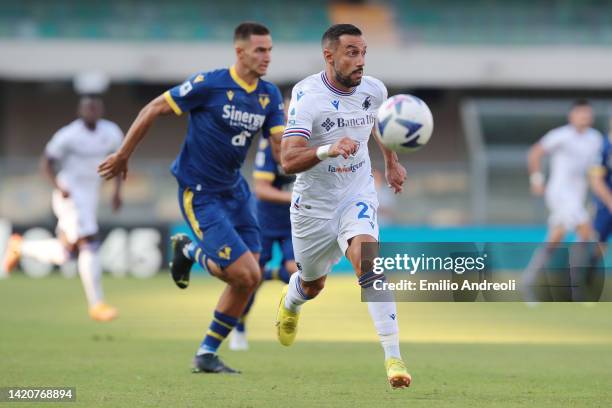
(295, 296)
(384, 316)
(45, 250)
(90, 271)
(383, 311)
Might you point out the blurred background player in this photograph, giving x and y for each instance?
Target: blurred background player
(334, 197)
(573, 149)
(273, 191)
(70, 161)
(227, 108)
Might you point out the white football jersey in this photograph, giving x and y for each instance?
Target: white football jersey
(323, 114)
(79, 151)
(572, 155)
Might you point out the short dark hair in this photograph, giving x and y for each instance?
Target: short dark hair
(333, 33)
(245, 30)
(579, 103)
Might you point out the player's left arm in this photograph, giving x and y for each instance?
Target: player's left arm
(395, 173)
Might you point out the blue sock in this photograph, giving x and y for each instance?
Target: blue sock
(283, 274)
(218, 330)
(240, 326)
(268, 273)
(195, 253)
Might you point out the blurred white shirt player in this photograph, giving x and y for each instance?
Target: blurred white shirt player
(70, 162)
(574, 149)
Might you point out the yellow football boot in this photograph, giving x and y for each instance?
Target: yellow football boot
(397, 374)
(286, 321)
(102, 312)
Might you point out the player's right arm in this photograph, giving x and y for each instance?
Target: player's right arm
(116, 163)
(56, 150)
(184, 97)
(534, 166)
(538, 150)
(296, 154)
(48, 166)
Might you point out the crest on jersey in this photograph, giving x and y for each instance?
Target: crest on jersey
(225, 252)
(199, 78)
(264, 100)
(230, 95)
(336, 103)
(366, 104)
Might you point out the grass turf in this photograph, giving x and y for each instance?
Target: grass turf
(460, 355)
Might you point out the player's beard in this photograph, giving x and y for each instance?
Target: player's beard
(346, 81)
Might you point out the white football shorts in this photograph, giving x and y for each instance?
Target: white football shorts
(76, 214)
(319, 243)
(567, 212)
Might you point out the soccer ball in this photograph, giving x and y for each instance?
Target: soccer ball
(404, 123)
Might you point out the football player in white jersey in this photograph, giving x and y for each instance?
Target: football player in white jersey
(574, 149)
(334, 203)
(70, 162)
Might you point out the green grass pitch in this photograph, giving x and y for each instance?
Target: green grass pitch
(460, 355)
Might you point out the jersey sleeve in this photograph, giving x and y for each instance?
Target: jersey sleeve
(275, 118)
(188, 95)
(551, 141)
(265, 165)
(300, 117)
(58, 145)
(384, 94)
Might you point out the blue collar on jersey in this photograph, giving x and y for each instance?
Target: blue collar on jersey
(248, 88)
(335, 90)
